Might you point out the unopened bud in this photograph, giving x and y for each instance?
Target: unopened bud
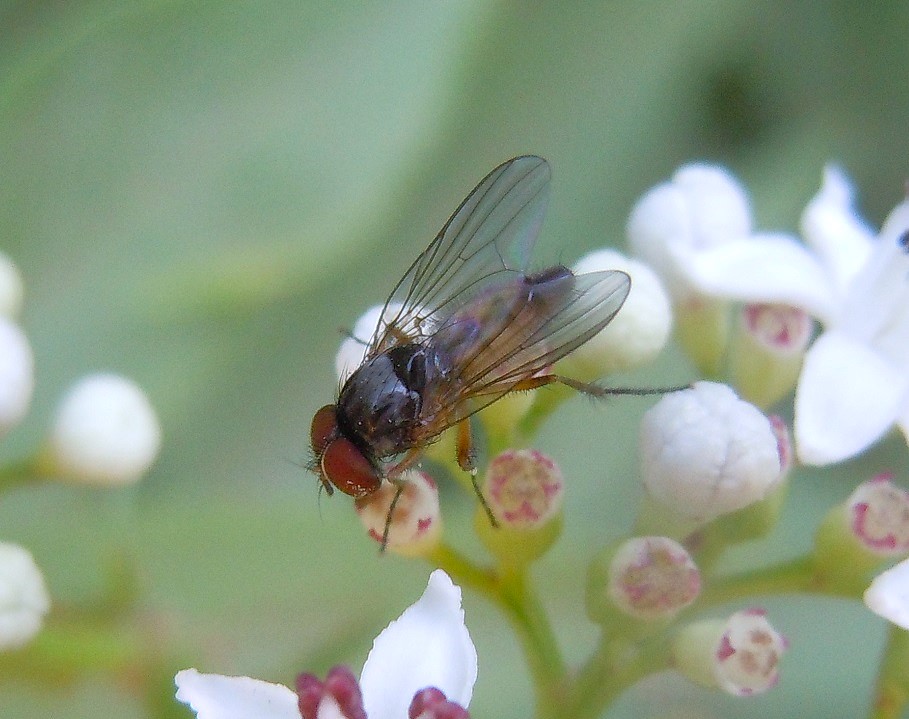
(524, 489)
(105, 433)
(23, 596)
(767, 352)
(636, 335)
(648, 578)
(17, 378)
(414, 526)
(859, 534)
(740, 655)
(705, 452)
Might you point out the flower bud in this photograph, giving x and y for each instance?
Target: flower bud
(767, 352)
(105, 432)
(888, 595)
(740, 655)
(524, 489)
(17, 378)
(648, 578)
(10, 288)
(23, 596)
(638, 332)
(705, 452)
(703, 206)
(415, 526)
(869, 527)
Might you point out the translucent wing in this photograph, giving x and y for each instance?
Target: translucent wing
(491, 233)
(514, 331)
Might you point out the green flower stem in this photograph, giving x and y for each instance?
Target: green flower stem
(797, 575)
(462, 570)
(892, 692)
(544, 658)
(72, 647)
(20, 474)
(610, 670)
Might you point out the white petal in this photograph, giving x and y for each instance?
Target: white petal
(770, 268)
(720, 208)
(877, 306)
(214, 696)
(888, 595)
(847, 398)
(427, 646)
(834, 231)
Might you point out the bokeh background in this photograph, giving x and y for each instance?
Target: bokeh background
(199, 195)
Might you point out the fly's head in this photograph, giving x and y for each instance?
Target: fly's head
(339, 462)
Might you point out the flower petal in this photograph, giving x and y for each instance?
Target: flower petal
(427, 646)
(834, 231)
(888, 595)
(877, 306)
(767, 268)
(847, 398)
(214, 696)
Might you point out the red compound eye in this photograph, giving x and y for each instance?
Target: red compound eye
(324, 428)
(345, 467)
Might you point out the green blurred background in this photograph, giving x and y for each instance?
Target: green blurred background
(200, 194)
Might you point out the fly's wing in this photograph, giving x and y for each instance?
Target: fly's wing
(489, 236)
(533, 330)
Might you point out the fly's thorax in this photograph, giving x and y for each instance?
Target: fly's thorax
(381, 404)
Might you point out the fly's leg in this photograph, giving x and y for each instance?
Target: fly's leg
(467, 461)
(399, 490)
(590, 388)
(393, 475)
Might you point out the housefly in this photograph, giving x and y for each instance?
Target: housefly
(467, 324)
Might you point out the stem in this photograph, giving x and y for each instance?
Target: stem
(19, 474)
(610, 670)
(797, 575)
(544, 658)
(892, 691)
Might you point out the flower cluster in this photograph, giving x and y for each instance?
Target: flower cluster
(104, 433)
(819, 326)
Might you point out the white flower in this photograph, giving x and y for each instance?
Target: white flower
(854, 384)
(638, 332)
(888, 595)
(10, 288)
(23, 597)
(16, 375)
(702, 207)
(428, 645)
(705, 452)
(105, 432)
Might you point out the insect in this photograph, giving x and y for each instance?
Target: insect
(466, 325)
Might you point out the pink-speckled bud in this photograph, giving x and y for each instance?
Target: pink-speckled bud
(653, 578)
(524, 488)
(415, 525)
(879, 516)
(740, 655)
